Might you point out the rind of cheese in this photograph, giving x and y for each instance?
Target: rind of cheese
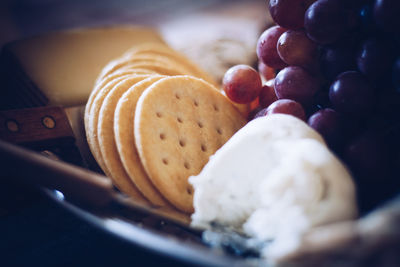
(64, 65)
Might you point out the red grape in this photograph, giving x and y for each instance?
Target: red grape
(242, 84)
(267, 96)
(265, 71)
(352, 94)
(329, 124)
(266, 47)
(297, 84)
(284, 106)
(325, 21)
(295, 48)
(289, 13)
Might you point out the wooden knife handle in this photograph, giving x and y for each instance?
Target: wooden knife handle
(34, 125)
(41, 129)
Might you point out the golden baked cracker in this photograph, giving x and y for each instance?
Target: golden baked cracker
(119, 73)
(125, 186)
(179, 123)
(125, 140)
(154, 66)
(162, 49)
(89, 132)
(192, 69)
(91, 125)
(158, 59)
(100, 83)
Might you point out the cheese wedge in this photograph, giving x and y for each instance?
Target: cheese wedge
(60, 68)
(274, 180)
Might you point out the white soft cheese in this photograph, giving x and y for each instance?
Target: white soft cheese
(275, 177)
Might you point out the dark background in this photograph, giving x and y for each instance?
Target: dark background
(20, 18)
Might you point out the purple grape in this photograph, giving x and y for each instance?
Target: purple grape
(266, 72)
(295, 48)
(321, 99)
(367, 23)
(297, 84)
(266, 47)
(353, 19)
(386, 15)
(325, 21)
(329, 124)
(367, 156)
(289, 13)
(352, 4)
(267, 96)
(375, 58)
(388, 105)
(396, 74)
(283, 106)
(336, 59)
(351, 93)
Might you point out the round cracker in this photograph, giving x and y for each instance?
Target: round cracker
(118, 73)
(91, 124)
(125, 186)
(162, 49)
(179, 123)
(157, 67)
(125, 140)
(158, 59)
(102, 83)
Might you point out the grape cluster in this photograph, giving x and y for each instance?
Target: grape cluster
(337, 66)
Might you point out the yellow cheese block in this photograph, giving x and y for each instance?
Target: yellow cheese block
(65, 65)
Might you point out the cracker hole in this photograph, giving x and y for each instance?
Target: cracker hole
(182, 143)
(186, 165)
(158, 114)
(189, 190)
(162, 136)
(203, 148)
(216, 108)
(196, 103)
(177, 96)
(179, 120)
(165, 161)
(200, 124)
(219, 131)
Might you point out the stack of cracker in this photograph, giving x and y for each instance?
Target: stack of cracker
(153, 119)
